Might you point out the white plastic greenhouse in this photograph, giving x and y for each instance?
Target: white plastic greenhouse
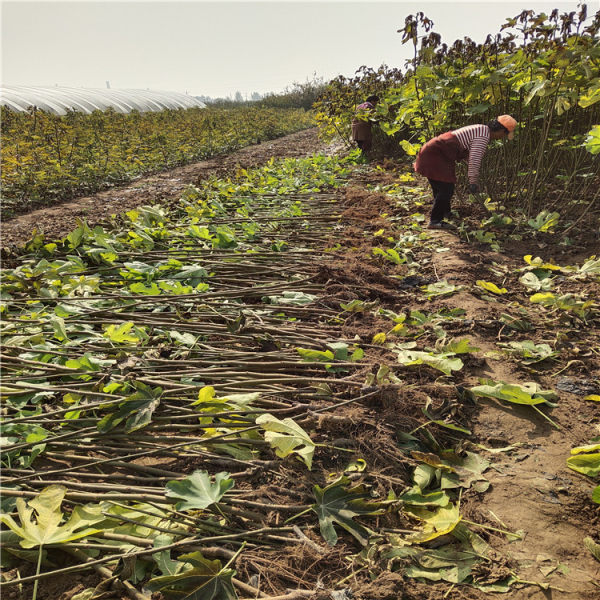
(59, 100)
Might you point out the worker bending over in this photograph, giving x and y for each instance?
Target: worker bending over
(437, 161)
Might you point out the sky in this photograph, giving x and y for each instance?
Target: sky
(218, 48)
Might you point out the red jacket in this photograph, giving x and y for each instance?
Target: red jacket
(437, 158)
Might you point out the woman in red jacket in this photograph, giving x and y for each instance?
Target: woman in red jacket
(437, 160)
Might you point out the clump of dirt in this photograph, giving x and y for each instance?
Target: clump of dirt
(356, 271)
(364, 206)
(363, 324)
(388, 586)
(345, 280)
(392, 586)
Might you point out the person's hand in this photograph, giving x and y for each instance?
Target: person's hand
(474, 188)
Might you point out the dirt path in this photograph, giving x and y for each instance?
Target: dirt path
(59, 220)
(532, 489)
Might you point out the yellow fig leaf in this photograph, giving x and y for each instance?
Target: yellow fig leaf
(379, 338)
(42, 520)
(538, 263)
(490, 287)
(436, 523)
(433, 460)
(543, 298)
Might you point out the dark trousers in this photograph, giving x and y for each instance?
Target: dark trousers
(364, 145)
(442, 194)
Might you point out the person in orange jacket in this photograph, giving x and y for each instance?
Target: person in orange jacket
(437, 161)
(361, 125)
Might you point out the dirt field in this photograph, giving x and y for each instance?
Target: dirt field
(532, 490)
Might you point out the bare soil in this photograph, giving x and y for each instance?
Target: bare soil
(532, 489)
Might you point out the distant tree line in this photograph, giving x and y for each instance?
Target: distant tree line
(298, 95)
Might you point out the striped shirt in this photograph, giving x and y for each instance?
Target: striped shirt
(474, 139)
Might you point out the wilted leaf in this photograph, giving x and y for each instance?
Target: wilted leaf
(185, 339)
(315, 355)
(538, 263)
(592, 546)
(206, 580)
(450, 426)
(208, 401)
(592, 142)
(590, 266)
(45, 527)
(443, 564)
(530, 352)
(452, 562)
(410, 149)
(435, 522)
(442, 362)
(286, 437)
(595, 445)
(357, 306)
(293, 298)
(514, 323)
(163, 559)
(424, 475)
(544, 221)
(545, 299)
(433, 460)
(417, 498)
(468, 472)
(441, 288)
(534, 283)
(120, 334)
(379, 338)
(137, 409)
(490, 287)
(459, 347)
(501, 587)
(588, 464)
(389, 254)
(192, 274)
(528, 393)
(141, 288)
(337, 504)
(88, 362)
(60, 332)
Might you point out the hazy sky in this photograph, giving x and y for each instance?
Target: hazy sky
(218, 48)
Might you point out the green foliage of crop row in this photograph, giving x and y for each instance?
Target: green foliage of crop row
(47, 157)
(542, 69)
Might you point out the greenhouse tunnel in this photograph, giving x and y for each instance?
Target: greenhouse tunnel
(60, 100)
